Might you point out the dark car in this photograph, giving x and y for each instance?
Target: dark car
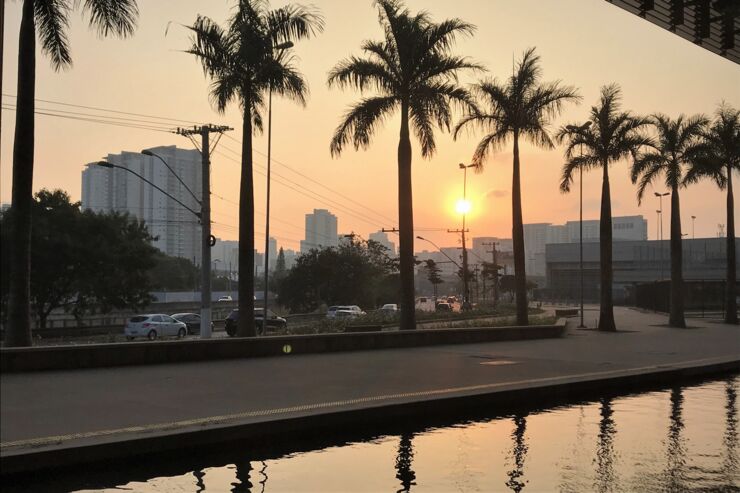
(192, 320)
(273, 321)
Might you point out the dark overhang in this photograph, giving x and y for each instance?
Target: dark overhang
(711, 24)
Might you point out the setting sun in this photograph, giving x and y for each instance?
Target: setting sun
(463, 206)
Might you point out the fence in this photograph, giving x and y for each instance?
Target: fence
(700, 295)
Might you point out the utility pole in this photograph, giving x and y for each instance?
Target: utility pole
(207, 240)
(466, 289)
(494, 256)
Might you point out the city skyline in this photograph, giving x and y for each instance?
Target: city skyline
(366, 180)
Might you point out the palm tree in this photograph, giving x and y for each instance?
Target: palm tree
(48, 18)
(614, 135)
(522, 107)
(244, 64)
(411, 70)
(678, 145)
(719, 162)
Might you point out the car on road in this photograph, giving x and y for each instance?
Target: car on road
(344, 311)
(389, 308)
(443, 307)
(225, 298)
(154, 326)
(191, 320)
(273, 321)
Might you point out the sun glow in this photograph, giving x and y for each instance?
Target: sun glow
(463, 206)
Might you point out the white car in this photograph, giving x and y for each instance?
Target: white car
(344, 311)
(153, 326)
(389, 308)
(225, 298)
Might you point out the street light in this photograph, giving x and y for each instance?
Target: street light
(281, 47)
(693, 221)
(580, 129)
(463, 207)
(660, 218)
(106, 164)
(440, 250)
(147, 152)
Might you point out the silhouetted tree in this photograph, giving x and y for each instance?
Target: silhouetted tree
(433, 276)
(520, 108)
(48, 18)
(718, 164)
(240, 60)
(614, 135)
(678, 144)
(404, 462)
(411, 70)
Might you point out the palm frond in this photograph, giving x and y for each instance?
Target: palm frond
(359, 122)
(488, 144)
(117, 17)
(293, 22)
(51, 19)
(362, 74)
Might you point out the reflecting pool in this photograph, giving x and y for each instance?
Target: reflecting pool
(683, 438)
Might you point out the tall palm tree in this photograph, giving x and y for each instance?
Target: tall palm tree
(243, 65)
(614, 135)
(410, 70)
(719, 162)
(520, 108)
(48, 19)
(678, 145)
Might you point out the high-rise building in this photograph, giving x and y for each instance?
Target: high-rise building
(321, 230)
(227, 254)
(175, 229)
(382, 238)
(273, 252)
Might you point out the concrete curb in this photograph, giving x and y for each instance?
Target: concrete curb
(286, 429)
(161, 352)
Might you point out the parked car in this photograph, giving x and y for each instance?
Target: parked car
(451, 300)
(153, 326)
(225, 298)
(389, 308)
(273, 321)
(191, 320)
(346, 311)
(443, 307)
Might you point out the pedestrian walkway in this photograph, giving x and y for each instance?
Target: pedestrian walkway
(54, 417)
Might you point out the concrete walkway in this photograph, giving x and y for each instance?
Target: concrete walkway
(52, 418)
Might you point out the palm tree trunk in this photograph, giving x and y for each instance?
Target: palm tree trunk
(406, 223)
(19, 306)
(606, 309)
(676, 317)
(520, 276)
(245, 326)
(731, 301)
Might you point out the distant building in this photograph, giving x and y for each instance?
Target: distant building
(537, 235)
(481, 248)
(633, 262)
(176, 230)
(290, 258)
(321, 230)
(382, 238)
(227, 252)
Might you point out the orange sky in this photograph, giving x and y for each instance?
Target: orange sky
(586, 43)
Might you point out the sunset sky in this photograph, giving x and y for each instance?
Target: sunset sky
(585, 43)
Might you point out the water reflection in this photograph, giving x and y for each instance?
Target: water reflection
(606, 478)
(199, 475)
(518, 454)
(242, 484)
(675, 451)
(730, 462)
(404, 461)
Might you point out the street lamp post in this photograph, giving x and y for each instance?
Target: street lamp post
(281, 47)
(466, 288)
(440, 250)
(580, 129)
(693, 221)
(660, 218)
